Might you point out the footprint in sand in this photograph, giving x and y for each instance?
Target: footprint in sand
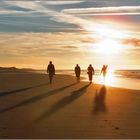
(4, 128)
(115, 127)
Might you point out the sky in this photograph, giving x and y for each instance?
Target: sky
(97, 32)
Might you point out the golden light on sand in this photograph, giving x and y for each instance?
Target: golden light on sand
(110, 79)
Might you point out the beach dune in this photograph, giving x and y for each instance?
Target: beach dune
(32, 108)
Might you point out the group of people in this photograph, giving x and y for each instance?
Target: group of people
(90, 71)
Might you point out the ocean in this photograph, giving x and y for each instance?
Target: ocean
(118, 78)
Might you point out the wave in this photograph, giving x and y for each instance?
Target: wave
(128, 73)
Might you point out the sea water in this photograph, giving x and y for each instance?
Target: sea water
(117, 78)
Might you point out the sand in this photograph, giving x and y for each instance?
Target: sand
(32, 108)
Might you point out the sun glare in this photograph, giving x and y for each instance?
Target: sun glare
(108, 46)
(109, 80)
(107, 38)
(107, 30)
(110, 33)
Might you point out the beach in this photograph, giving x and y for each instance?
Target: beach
(32, 108)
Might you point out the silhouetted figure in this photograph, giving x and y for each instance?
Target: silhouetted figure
(51, 71)
(90, 72)
(77, 72)
(104, 71)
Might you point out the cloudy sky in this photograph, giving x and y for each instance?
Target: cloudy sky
(97, 32)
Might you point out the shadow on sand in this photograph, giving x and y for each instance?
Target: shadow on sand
(36, 98)
(99, 101)
(20, 90)
(64, 102)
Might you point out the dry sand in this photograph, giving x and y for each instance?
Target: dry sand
(32, 108)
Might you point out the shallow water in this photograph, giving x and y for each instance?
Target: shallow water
(118, 78)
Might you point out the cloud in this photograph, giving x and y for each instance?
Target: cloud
(40, 7)
(31, 5)
(62, 2)
(133, 41)
(38, 44)
(11, 12)
(63, 17)
(69, 47)
(88, 40)
(66, 16)
(33, 8)
(105, 10)
(36, 49)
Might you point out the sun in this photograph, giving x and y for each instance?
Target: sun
(107, 38)
(108, 46)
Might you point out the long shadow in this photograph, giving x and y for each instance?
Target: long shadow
(99, 101)
(36, 98)
(64, 102)
(19, 90)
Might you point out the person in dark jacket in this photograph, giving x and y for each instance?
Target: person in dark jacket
(51, 71)
(77, 72)
(90, 72)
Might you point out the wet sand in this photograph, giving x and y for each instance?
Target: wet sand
(32, 108)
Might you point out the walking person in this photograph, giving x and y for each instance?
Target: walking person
(90, 72)
(77, 72)
(51, 71)
(104, 71)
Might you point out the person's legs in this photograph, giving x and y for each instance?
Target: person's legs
(78, 79)
(90, 78)
(50, 77)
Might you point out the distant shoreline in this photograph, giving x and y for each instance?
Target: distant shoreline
(32, 69)
(126, 83)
